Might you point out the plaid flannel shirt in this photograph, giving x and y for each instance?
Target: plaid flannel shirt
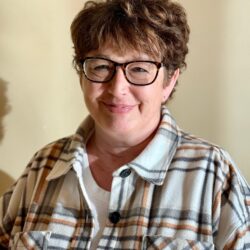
(179, 193)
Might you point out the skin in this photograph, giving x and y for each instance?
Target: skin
(126, 116)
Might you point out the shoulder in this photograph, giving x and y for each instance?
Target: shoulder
(196, 148)
(42, 163)
(213, 164)
(37, 170)
(50, 153)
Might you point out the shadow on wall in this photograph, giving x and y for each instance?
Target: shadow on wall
(5, 179)
(4, 106)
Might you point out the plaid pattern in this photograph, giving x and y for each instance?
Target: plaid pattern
(181, 193)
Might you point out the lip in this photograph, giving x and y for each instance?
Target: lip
(118, 108)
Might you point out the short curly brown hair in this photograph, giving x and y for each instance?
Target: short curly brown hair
(156, 27)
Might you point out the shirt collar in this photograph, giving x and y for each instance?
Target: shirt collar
(74, 151)
(152, 164)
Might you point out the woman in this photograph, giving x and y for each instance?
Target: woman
(129, 178)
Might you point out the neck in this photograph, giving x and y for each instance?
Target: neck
(120, 144)
(115, 152)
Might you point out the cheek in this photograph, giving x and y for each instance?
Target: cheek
(91, 91)
(151, 97)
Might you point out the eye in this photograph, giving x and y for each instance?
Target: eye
(138, 70)
(101, 67)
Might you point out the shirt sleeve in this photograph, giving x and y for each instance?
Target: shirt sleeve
(231, 215)
(4, 236)
(13, 206)
(8, 212)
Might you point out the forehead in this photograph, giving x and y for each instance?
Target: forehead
(123, 53)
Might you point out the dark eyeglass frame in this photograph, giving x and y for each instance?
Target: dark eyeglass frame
(123, 67)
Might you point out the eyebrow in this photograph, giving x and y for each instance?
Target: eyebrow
(136, 59)
(129, 60)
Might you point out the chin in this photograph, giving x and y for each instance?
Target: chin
(119, 130)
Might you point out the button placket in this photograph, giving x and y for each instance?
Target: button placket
(119, 195)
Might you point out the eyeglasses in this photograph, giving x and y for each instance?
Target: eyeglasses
(102, 70)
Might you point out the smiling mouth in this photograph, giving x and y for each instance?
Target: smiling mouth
(119, 108)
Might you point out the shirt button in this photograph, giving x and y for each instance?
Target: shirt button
(114, 217)
(125, 173)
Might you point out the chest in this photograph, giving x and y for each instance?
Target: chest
(140, 215)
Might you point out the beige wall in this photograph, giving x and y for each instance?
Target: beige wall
(43, 94)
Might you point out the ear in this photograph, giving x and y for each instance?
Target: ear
(169, 85)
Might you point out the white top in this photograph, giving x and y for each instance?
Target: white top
(99, 203)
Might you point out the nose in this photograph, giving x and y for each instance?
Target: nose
(119, 84)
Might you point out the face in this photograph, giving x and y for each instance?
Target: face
(122, 110)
